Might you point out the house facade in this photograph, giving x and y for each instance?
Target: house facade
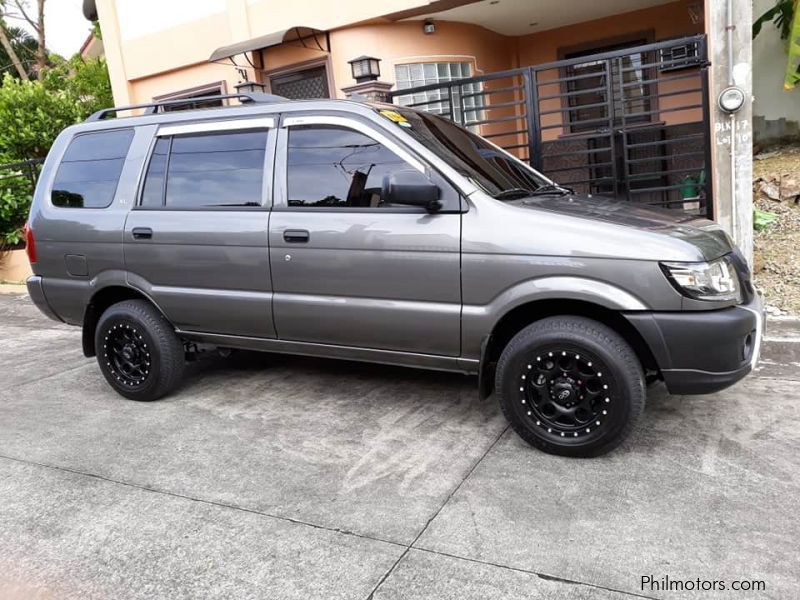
(615, 97)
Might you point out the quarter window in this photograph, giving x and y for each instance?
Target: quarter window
(209, 170)
(90, 170)
(330, 166)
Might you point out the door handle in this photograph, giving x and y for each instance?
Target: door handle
(142, 233)
(296, 236)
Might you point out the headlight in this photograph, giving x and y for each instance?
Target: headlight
(715, 280)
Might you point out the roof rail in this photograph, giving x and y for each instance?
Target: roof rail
(153, 107)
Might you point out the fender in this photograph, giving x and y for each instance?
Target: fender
(478, 321)
(97, 286)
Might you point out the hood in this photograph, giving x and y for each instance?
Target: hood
(706, 236)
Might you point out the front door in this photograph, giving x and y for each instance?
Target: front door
(347, 267)
(196, 241)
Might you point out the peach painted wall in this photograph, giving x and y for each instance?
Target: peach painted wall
(146, 59)
(662, 22)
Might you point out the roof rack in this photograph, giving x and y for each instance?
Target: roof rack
(153, 107)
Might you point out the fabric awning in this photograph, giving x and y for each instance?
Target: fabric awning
(265, 41)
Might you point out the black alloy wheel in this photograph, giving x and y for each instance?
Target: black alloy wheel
(566, 393)
(127, 355)
(570, 386)
(138, 350)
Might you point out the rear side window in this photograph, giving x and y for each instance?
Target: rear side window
(208, 170)
(89, 172)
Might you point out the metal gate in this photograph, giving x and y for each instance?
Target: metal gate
(630, 123)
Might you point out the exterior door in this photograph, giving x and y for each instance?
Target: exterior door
(348, 268)
(196, 242)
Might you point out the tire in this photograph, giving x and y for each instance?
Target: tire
(138, 351)
(556, 397)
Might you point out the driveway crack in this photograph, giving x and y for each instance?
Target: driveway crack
(200, 500)
(436, 514)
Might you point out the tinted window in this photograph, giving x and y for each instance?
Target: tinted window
(214, 169)
(471, 155)
(90, 169)
(153, 192)
(335, 166)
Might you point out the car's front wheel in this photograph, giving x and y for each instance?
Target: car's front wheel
(138, 351)
(570, 386)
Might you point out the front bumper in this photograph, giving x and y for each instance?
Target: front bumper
(700, 352)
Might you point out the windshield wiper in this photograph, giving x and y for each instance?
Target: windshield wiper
(512, 194)
(551, 188)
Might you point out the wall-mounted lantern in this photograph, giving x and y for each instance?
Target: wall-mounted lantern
(365, 68)
(428, 27)
(249, 87)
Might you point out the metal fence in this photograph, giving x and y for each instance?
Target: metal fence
(630, 123)
(23, 174)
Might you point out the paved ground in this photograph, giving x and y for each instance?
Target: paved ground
(270, 477)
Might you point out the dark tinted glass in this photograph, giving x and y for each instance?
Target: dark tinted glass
(212, 170)
(90, 169)
(153, 192)
(335, 166)
(469, 154)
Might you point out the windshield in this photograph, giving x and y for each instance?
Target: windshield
(472, 156)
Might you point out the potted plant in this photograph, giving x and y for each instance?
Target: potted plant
(16, 190)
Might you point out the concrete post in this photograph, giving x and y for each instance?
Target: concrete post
(377, 91)
(732, 136)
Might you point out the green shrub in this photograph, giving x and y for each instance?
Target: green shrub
(32, 114)
(16, 191)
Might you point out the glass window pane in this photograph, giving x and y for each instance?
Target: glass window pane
(337, 167)
(97, 146)
(430, 72)
(153, 192)
(401, 73)
(210, 170)
(441, 69)
(415, 71)
(90, 170)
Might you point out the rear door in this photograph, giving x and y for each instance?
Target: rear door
(348, 268)
(196, 241)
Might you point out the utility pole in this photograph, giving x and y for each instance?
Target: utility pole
(730, 47)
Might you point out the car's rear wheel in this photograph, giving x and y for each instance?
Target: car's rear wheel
(570, 386)
(138, 351)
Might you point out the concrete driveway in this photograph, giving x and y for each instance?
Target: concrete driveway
(281, 477)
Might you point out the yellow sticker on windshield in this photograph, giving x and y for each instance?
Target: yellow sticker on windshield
(395, 117)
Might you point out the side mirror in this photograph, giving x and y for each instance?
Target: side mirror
(412, 188)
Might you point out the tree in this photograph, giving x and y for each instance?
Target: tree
(10, 52)
(780, 15)
(86, 81)
(786, 18)
(24, 49)
(20, 10)
(32, 114)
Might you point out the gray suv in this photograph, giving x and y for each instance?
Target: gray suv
(376, 233)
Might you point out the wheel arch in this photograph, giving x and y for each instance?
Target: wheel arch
(97, 305)
(518, 317)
